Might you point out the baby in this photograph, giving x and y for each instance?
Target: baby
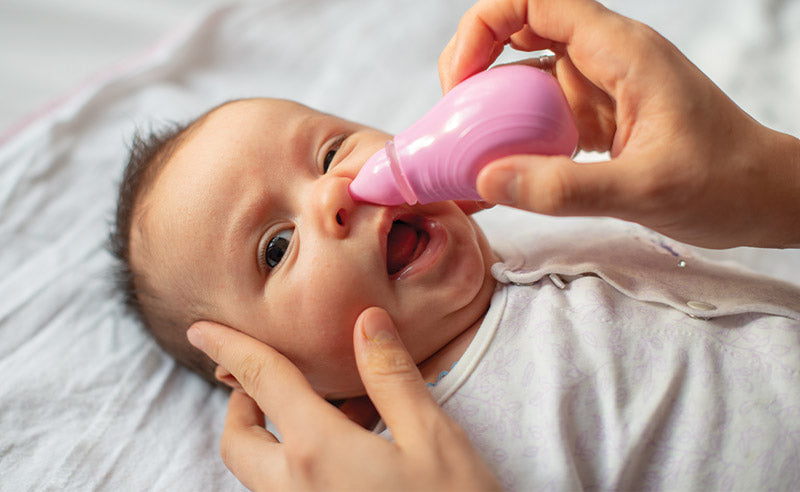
(244, 218)
(608, 358)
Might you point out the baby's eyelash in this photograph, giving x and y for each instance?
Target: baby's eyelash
(330, 154)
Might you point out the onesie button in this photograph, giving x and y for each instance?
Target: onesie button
(701, 306)
(557, 281)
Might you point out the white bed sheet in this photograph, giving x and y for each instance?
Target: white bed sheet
(87, 401)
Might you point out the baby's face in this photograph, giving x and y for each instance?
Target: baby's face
(252, 215)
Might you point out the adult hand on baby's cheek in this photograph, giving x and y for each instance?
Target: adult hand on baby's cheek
(322, 449)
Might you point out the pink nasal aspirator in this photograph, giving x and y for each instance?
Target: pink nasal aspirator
(513, 109)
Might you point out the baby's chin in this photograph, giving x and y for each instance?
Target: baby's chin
(336, 380)
(360, 410)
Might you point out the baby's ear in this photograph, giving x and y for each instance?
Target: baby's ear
(225, 377)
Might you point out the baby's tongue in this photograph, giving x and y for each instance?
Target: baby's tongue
(400, 248)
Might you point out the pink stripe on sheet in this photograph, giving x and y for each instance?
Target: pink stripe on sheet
(115, 70)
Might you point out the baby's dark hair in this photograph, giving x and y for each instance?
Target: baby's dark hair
(166, 319)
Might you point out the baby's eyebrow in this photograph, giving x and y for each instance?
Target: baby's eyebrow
(243, 228)
(300, 131)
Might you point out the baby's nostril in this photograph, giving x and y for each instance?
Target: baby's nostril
(340, 217)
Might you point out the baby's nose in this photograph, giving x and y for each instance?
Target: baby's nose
(336, 206)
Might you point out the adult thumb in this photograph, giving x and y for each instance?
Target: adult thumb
(390, 376)
(552, 185)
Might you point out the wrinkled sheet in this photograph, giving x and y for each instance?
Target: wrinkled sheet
(87, 400)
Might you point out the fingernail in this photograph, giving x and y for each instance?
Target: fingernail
(377, 326)
(195, 336)
(500, 186)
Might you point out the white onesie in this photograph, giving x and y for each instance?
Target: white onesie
(621, 361)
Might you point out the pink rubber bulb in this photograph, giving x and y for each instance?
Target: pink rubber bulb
(508, 110)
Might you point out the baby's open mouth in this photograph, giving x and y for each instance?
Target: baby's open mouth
(407, 240)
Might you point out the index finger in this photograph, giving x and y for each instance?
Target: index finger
(489, 23)
(279, 388)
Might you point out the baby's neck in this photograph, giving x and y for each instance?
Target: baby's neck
(448, 355)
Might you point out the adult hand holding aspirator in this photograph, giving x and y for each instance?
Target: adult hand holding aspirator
(685, 160)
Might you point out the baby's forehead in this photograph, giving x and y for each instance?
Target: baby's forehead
(278, 111)
(252, 126)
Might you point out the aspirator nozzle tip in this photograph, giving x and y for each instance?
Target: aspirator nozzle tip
(375, 182)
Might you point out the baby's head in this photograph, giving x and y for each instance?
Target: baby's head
(244, 218)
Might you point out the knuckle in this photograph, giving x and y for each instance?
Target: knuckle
(250, 370)
(658, 187)
(553, 191)
(458, 434)
(651, 188)
(445, 429)
(647, 36)
(302, 460)
(389, 362)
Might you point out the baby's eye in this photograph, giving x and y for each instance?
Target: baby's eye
(326, 163)
(331, 154)
(276, 248)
